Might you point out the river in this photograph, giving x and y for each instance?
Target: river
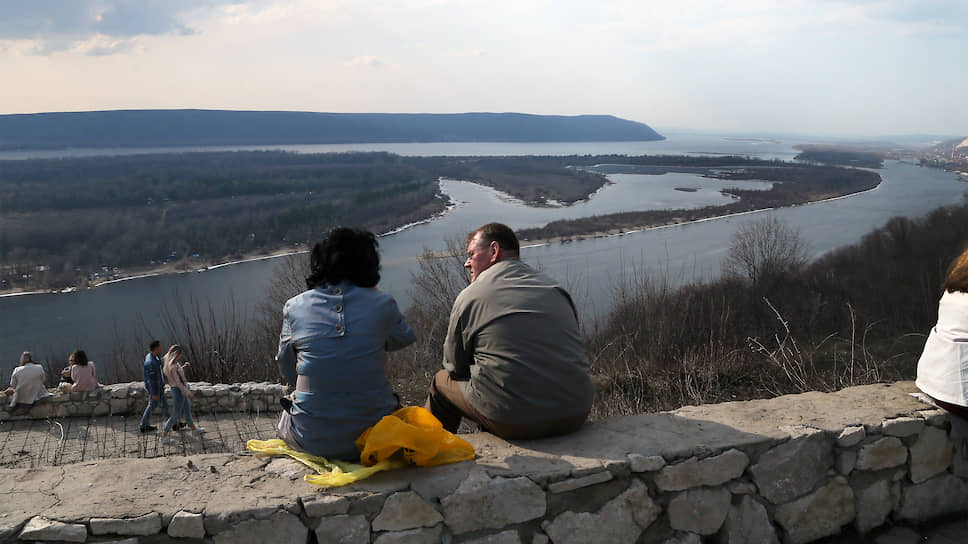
(114, 315)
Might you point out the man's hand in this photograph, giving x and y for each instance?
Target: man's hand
(191, 395)
(8, 391)
(155, 397)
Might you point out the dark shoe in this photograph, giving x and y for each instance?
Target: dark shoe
(149, 428)
(177, 425)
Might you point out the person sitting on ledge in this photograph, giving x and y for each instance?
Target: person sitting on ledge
(27, 383)
(513, 357)
(943, 367)
(333, 348)
(82, 372)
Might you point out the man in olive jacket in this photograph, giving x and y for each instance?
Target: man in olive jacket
(513, 357)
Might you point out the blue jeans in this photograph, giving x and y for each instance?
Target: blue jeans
(163, 401)
(182, 407)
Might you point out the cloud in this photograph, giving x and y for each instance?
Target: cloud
(55, 25)
(365, 60)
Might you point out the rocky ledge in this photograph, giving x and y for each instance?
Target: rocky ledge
(794, 469)
(131, 398)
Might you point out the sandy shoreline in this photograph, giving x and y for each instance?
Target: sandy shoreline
(538, 242)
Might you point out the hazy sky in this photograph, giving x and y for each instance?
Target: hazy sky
(807, 66)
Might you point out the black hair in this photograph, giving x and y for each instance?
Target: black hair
(346, 254)
(80, 358)
(153, 345)
(497, 232)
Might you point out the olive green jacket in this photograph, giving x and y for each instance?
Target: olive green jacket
(513, 339)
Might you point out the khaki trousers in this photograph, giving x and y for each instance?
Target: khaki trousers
(448, 404)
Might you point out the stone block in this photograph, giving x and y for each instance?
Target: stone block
(793, 468)
(572, 484)
(223, 515)
(422, 535)
(684, 538)
(406, 510)
(902, 426)
(319, 505)
(482, 503)
(41, 528)
(819, 514)
(145, 525)
(279, 527)
(700, 511)
(931, 454)
(935, 418)
(711, 471)
(846, 461)
(621, 520)
(939, 496)
(748, 523)
(540, 538)
(119, 406)
(741, 488)
(504, 537)
(874, 503)
(342, 529)
(368, 505)
(642, 463)
(851, 436)
(42, 410)
(186, 525)
(885, 453)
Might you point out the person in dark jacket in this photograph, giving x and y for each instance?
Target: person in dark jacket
(154, 386)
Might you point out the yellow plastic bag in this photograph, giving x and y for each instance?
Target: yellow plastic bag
(409, 436)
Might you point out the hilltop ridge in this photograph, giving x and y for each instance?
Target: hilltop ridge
(195, 127)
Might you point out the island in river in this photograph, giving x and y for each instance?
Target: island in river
(75, 223)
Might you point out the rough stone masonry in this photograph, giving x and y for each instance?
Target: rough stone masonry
(792, 469)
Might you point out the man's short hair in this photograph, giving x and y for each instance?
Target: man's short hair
(497, 232)
(153, 345)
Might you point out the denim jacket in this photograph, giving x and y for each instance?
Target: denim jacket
(154, 383)
(333, 346)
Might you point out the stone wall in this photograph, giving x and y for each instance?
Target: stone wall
(793, 469)
(131, 398)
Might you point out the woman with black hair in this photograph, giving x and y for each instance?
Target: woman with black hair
(333, 347)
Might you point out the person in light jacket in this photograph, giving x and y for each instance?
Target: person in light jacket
(333, 348)
(27, 383)
(943, 367)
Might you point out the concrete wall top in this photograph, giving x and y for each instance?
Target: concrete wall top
(858, 457)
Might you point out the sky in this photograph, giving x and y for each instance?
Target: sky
(826, 67)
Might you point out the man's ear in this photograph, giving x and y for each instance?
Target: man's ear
(495, 249)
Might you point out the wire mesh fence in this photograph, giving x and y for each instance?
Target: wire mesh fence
(35, 443)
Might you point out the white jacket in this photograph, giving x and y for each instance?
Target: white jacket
(28, 384)
(943, 367)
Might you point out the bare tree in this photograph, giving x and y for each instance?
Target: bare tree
(765, 250)
(440, 276)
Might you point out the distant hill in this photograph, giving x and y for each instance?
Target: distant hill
(163, 128)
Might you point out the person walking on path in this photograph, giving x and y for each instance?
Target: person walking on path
(154, 386)
(181, 395)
